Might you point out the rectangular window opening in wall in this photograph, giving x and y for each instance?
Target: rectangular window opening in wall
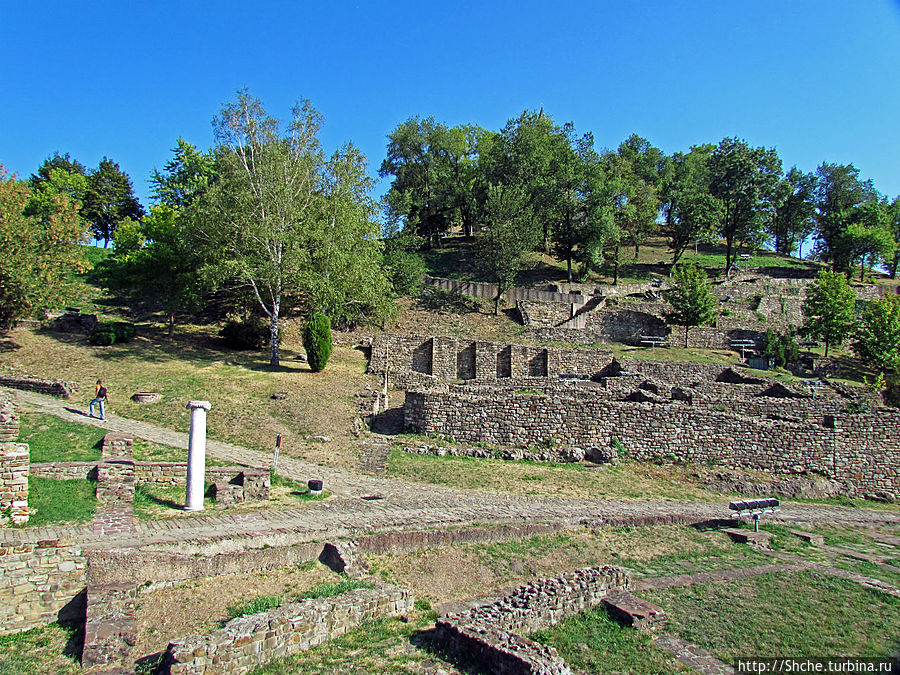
(465, 363)
(423, 357)
(504, 362)
(537, 365)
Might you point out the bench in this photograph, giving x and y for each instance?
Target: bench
(654, 341)
(754, 508)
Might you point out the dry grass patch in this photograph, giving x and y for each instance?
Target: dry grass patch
(202, 606)
(193, 366)
(455, 572)
(627, 480)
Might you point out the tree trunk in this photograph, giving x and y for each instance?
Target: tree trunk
(569, 267)
(687, 330)
(497, 302)
(728, 243)
(171, 324)
(616, 268)
(826, 348)
(637, 251)
(274, 358)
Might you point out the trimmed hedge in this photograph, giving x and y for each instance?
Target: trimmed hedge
(317, 341)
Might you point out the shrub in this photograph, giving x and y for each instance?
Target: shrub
(110, 332)
(245, 334)
(103, 337)
(317, 341)
(123, 331)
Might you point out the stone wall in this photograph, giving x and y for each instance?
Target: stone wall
(477, 289)
(13, 483)
(40, 583)
(48, 387)
(251, 641)
(493, 634)
(860, 450)
(425, 360)
(9, 418)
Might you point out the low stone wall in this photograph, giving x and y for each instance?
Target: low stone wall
(251, 641)
(477, 289)
(9, 418)
(40, 583)
(493, 634)
(110, 631)
(57, 388)
(862, 451)
(14, 483)
(65, 470)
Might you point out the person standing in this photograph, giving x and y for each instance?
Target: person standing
(101, 397)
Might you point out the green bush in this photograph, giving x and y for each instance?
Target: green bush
(104, 337)
(123, 330)
(110, 332)
(317, 341)
(245, 334)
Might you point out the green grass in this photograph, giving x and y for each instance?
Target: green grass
(297, 489)
(801, 614)
(51, 439)
(386, 647)
(628, 480)
(592, 643)
(263, 603)
(159, 501)
(325, 589)
(328, 589)
(60, 501)
(49, 650)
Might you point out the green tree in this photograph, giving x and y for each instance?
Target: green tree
(155, 262)
(317, 341)
(297, 230)
(403, 266)
(108, 200)
(745, 179)
(894, 225)
(690, 212)
(38, 247)
(877, 335)
(795, 215)
(839, 196)
(829, 309)
(185, 177)
(503, 244)
(646, 166)
(632, 204)
(693, 303)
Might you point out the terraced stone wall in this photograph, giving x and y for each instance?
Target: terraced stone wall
(251, 641)
(13, 483)
(860, 450)
(9, 418)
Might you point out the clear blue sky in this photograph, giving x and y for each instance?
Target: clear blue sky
(819, 80)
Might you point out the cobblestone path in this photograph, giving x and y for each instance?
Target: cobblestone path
(399, 504)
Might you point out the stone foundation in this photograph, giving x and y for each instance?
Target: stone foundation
(14, 483)
(40, 583)
(493, 634)
(48, 387)
(251, 641)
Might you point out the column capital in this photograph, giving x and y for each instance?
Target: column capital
(206, 405)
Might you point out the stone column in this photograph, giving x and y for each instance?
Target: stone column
(196, 470)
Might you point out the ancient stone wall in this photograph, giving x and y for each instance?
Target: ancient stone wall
(39, 584)
(13, 483)
(484, 290)
(250, 641)
(423, 360)
(9, 418)
(48, 387)
(861, 450)
(65, 470)
(493, 635)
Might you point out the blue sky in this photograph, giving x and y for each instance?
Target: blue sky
(819, 80)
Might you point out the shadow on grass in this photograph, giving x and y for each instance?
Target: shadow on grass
(160, 501)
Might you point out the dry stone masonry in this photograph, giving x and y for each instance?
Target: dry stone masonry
(251, 641)
(493, 634)
(56, 388)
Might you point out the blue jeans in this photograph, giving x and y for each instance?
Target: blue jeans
(91, 407)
